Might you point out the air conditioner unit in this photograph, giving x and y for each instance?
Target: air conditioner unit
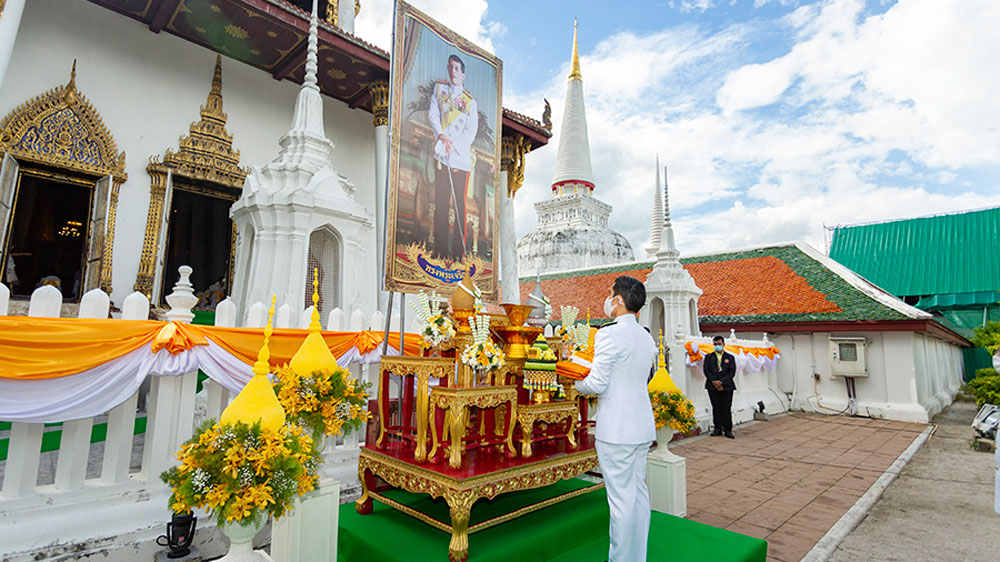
(848, 357)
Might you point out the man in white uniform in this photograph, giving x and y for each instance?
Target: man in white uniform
(454, 116)
(623, 354)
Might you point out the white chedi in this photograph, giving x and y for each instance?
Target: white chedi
(437, 328)
(482, 354)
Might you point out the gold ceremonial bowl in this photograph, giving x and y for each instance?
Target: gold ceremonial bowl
(517, 313)
(517, 339)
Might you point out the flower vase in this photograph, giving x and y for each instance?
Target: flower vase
(241, 543)
(663, 437)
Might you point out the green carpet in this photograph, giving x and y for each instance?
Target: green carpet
(575, 530)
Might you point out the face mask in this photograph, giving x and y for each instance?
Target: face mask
(609, 306)
(718, 349)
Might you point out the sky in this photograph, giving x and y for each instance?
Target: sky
(775, 118)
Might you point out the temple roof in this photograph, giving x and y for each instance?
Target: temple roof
(272, 35)
(573, 156)
(773, 285)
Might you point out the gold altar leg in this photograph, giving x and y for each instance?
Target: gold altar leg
(459, 507)
(499, 419)
(571, 436)
(434, 430)
(381, 409)
(527, 427)
(423, 381)
(510, 429)
(457, 433)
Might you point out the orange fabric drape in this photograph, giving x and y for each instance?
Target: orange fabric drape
(39, 348)
(697, 351)
(244, 343)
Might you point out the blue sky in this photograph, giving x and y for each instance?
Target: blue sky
(775, 117)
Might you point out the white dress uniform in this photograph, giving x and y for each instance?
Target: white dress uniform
(623, 354)
(454, 112)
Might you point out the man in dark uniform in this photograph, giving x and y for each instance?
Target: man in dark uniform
(720, 370)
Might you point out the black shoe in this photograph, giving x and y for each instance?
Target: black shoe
(716, 433)
(730, 435)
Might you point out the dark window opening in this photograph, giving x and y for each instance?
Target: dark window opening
(47, 237)
(199, 234)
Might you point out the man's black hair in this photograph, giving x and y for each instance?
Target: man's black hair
(458, 60)
(632, 291)
(718, 338)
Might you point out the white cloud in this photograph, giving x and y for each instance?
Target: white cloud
(866, 116)
(467, 18)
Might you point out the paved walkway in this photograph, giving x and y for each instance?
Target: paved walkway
(939, 509)
(790, 479)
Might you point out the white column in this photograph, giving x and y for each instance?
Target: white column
(508, 246)
(10, 20)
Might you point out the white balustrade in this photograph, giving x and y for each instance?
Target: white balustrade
(95, 304)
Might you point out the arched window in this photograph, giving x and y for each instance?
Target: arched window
(324, 257)
(656, 317)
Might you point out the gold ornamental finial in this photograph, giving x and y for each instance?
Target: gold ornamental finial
(313, 355)
(257, 400)
(661, 381)
(262, 366)
(213, 106)
(69, 92)
(574, 71)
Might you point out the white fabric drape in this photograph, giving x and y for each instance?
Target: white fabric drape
(95, 391)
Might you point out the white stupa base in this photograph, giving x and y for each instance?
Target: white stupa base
(666, 477)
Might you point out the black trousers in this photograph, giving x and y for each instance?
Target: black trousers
(448, 238)
(722, 409)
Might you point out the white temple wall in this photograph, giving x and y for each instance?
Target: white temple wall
(912, 376)
(148, 88)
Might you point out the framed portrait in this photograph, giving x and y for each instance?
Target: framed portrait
(444, 159)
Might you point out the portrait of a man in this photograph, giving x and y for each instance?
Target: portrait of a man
(454, 116)
(444, 159)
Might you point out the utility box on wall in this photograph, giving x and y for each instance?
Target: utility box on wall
(849, 357)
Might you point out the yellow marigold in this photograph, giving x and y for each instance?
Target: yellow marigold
(217, 496)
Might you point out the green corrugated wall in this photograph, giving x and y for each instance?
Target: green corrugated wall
(957, 253)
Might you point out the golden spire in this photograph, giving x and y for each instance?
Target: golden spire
(213, 107)
(314, 355)
(661, 381)
(69, 92)
(257, 400)
(574, 71)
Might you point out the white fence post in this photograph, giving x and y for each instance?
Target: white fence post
(377, 322)
(218, 395)
(357, 321)
(74, 446)
(256, 315)
(4, 299)
(283, 317)
(46, 302)
(335, 322)
(306, 318)
(25, 446)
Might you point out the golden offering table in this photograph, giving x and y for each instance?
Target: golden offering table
(547, 413)
(473, 416)
(457, 401)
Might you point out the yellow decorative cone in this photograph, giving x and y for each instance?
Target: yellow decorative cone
(661, 381)
(257, 400)
(314, 355)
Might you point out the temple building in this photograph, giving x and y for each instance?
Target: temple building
(572, 229)
(130, 129)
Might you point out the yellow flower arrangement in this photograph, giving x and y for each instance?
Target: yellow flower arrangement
(242, 473)
(672, 409)
(329, 401)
